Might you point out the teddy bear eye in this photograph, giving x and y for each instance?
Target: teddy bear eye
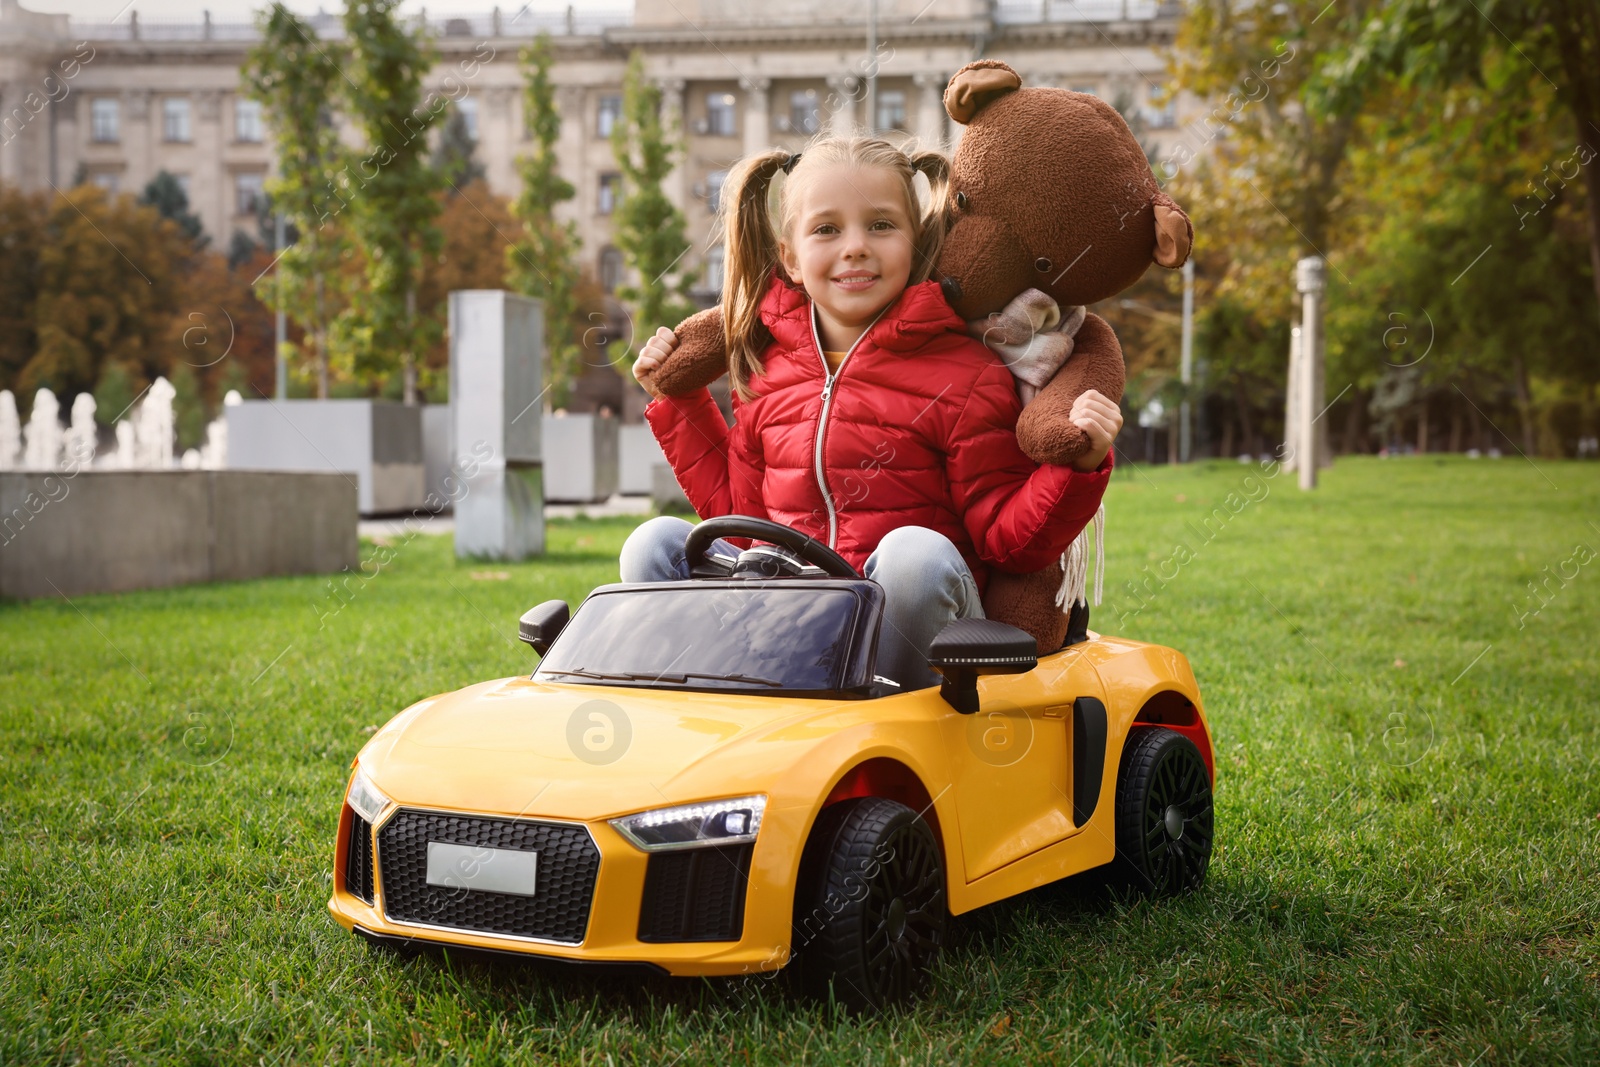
(1042, 264)
(961, 201)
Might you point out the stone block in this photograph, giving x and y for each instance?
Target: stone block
(376, 441)
(105, 531)
(665, 492)
(638, 452)
(580, 458)
(496, 365)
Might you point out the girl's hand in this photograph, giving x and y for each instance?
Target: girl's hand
(651, 356)
(1102, 421)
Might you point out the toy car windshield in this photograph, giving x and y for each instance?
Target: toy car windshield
(818, 637)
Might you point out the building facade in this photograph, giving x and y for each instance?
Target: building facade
(114, 103)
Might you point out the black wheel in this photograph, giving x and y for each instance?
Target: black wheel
(1164, 818)
(870, 907)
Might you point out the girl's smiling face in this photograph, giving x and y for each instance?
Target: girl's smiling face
(849, 242)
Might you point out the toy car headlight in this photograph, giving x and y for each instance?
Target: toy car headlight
(365, 798)
(719, 822)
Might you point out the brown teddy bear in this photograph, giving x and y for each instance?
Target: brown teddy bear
(1052, 206)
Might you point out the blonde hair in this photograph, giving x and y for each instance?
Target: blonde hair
(750, 238)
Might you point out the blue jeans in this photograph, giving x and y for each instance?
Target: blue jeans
(926, 586)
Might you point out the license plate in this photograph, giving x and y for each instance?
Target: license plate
(493, 870)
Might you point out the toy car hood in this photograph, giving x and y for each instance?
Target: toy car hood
(519, 745)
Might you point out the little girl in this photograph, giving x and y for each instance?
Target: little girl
(865, 415)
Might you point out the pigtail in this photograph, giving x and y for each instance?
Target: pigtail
(930, 237)
(751, 246)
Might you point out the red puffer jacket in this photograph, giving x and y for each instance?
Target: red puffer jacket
(916, 428)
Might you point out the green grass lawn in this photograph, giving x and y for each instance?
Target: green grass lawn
(1408, 808)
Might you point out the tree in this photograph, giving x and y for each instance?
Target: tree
(22, 237)
(107, 290)
(1435, 43)
(292, 74)
(389, 189)
(188, 407)
(454, 158)
(1266, 182)
(1440, 323)
(540, 263)
(1260, 62)
(477, 226)
(114, 393)
(221, 334)
(241, 247)
(649, 229)
(166, 195)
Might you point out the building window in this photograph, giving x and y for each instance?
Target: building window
(720, 115)
(247, 192)
(1090, 89)
(105, 179)
(715, 261)
(469, 115)
(183, 184)
(610, 269)
(804, 115)
(610, 193)
(714, 183)
(891, 109)
(246, 120)
(103, 120)
(175, 119)
(610, 112)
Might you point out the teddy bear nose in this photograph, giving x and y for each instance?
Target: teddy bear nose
(951, 288)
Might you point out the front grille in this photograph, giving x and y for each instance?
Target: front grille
(558, 910)
(358, 859)
(695, 895)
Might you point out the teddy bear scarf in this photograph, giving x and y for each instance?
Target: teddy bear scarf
(1033, 335)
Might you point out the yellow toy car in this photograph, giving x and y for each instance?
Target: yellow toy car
(706, 778)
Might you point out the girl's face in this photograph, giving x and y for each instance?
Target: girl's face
(850, 244)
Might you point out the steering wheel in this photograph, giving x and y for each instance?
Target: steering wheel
(808, 549)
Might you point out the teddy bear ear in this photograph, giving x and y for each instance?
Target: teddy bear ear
(975, 85)
(1174, 233)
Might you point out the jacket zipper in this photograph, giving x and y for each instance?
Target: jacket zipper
(829, 378)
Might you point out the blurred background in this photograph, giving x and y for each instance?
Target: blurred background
(192, 193)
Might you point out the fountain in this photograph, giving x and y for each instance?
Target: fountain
(135, 520)
(154, 427)
(214, 453)
(125, 458)
(10, 431)
(82, 434)
(43, 449)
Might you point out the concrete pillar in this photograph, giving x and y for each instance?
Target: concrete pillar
(496, 368)
(1186, 363)
(64, 163)
(205, 184)
(839, 109)
(14, 124)
(757, 114)
(138, 135)
(931, 117)
(575, 134)
(1291, 402)
(498, 141)
(1310, 279)
(676, 185)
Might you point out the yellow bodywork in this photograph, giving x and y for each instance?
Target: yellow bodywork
(997, 784)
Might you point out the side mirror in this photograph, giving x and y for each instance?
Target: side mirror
(970, 647)
(540, 626)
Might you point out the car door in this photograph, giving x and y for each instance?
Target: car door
(1012, 761)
